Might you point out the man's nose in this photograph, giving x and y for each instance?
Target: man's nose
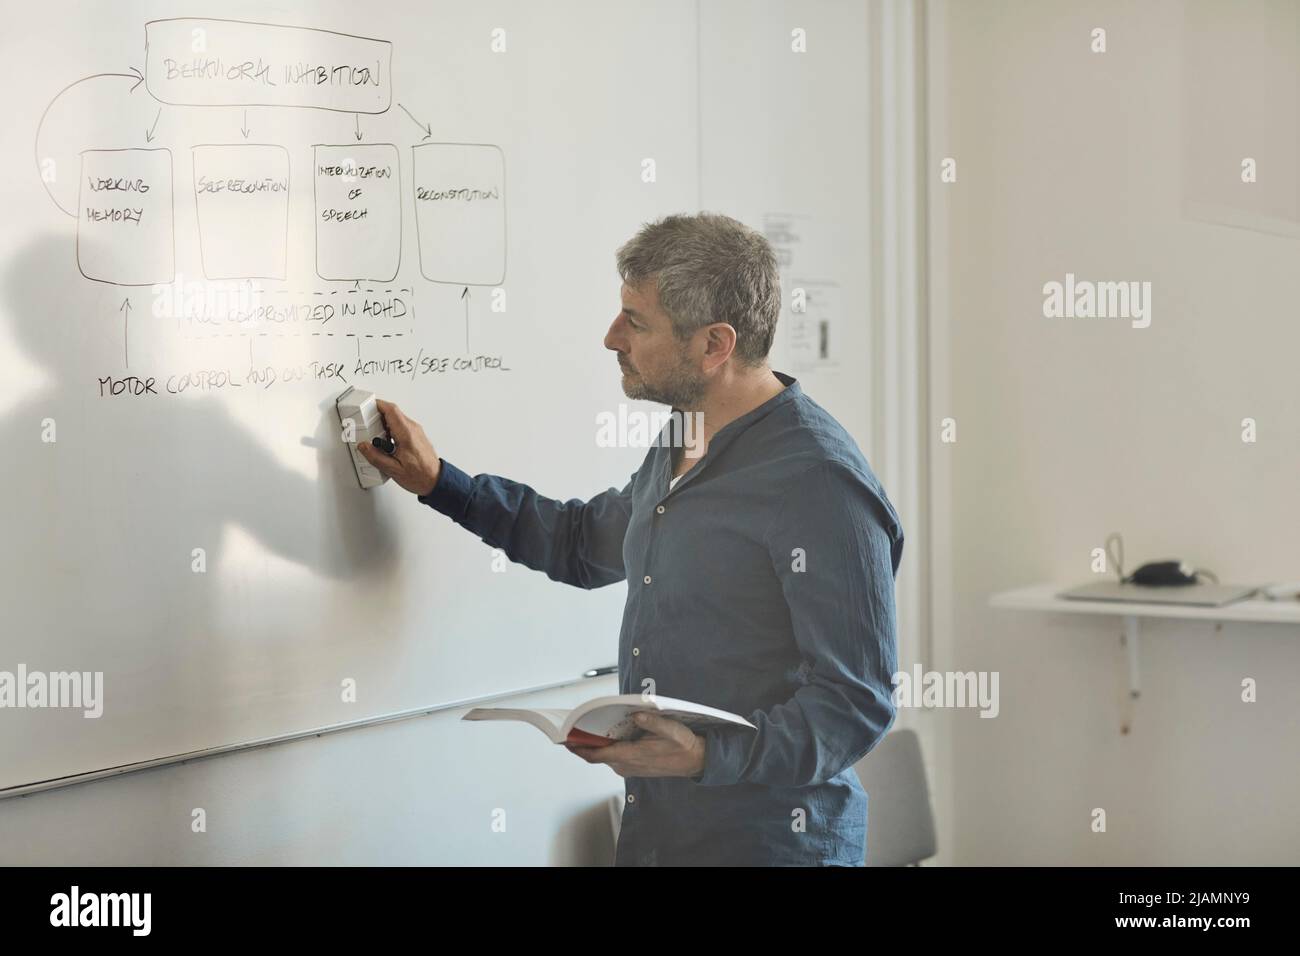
(614, 337)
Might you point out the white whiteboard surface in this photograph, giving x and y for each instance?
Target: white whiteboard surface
(309, 581)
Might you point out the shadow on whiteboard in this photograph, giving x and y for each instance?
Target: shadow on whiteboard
(117, 510)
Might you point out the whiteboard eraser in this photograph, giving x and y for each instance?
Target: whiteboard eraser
(357, 407)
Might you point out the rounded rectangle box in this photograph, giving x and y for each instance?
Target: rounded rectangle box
(192, 61)
(241, 195)
(358, 195)
(125, 223)
(460, 212)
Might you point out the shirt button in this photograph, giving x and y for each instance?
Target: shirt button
(660, 509)
(636, 652)
(647, 579)
(631, 798)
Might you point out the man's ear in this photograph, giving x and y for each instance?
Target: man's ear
(719, 344)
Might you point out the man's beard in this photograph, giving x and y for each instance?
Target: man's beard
(679, 387)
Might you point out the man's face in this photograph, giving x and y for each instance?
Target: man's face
(657, 367)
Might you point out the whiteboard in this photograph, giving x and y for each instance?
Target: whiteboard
(205, 241)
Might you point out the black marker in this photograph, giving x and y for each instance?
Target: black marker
(386, 445)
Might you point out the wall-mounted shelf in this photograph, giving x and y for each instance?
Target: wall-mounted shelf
(1046, 598)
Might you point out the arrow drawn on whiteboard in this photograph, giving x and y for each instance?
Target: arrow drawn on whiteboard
(125, 309)
(148, 134)
(244, 129)
(465, 298)
(428, 130)
(135, 75)
(358, 116)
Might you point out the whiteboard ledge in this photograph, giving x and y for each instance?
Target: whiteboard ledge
(89, 776)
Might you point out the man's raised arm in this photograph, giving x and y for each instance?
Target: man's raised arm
(575, 542)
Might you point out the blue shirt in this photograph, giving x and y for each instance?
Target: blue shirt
(762, 583)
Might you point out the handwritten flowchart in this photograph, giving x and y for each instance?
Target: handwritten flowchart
(242, 191)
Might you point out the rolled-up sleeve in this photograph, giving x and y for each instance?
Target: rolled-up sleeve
(835, 545)
(575, 542)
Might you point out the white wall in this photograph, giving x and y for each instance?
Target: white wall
(1069, 429)
(788, 132)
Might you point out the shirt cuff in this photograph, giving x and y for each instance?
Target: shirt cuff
(451, 493)
(726, 750)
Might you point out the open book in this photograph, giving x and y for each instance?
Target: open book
(603, 720)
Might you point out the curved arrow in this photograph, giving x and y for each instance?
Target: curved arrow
(133, 75)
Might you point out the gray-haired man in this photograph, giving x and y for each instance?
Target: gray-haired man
(760, 566)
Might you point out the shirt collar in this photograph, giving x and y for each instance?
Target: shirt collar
(727, 432)
(788, 394)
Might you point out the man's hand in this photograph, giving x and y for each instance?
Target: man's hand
(672, 750)
(414, 464)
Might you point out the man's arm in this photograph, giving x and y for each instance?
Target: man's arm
(576, 542)
(842, 609)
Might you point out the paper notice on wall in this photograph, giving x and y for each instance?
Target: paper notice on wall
(811, 321)
(810, 298)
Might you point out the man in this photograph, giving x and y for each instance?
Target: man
(760, 566)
